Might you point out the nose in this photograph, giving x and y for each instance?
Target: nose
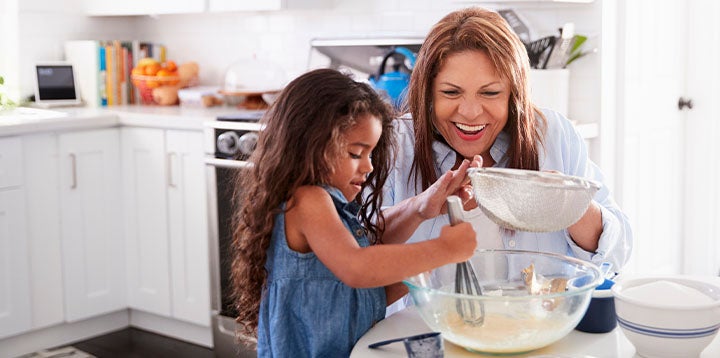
(470, 107)
(366, 166)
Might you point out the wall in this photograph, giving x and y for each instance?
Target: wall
(216, 40)
(34, 30)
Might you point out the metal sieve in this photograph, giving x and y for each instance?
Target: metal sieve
(529, 200)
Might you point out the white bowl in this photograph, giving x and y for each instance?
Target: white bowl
(668, 316)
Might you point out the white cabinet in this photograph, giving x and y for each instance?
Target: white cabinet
(42, 195)
(142, 7)
(15, 309)
(93, 251)
(166, 221)
(265, 5)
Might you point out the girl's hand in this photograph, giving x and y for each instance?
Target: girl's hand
(459, 240)
(431, 202)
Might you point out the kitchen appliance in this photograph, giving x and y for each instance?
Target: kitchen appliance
(229, 142)
(394, 83)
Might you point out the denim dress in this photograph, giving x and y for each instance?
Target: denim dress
(306, 311)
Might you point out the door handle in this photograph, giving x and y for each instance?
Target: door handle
(685, 103)
(171, 182)
(73, 168)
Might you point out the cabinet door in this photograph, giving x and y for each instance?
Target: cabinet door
(146, 223)
(254, 5)
(187, 207)
(42, 194)
(92, 242)
(15, 309)
(141, 7)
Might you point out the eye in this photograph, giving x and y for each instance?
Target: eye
(490, 93)
(450, 92)
(354, 156)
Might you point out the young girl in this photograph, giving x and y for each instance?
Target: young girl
(311, 259)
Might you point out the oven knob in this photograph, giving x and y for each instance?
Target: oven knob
(227, 143)
(247, 142)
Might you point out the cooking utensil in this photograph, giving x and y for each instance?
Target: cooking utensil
(466, 282)
(424, 345)
(515, 320)
(529, 200)
(539, 51)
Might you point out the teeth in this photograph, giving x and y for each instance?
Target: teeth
(467, 128)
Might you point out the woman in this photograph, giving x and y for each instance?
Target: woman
(469, 99)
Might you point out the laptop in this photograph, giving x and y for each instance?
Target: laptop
(56, 85)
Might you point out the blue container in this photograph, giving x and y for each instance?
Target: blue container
(600, 316)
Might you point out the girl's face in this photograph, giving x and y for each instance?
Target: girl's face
(470, 103)
(353, 164)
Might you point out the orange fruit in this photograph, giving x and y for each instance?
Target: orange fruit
(137, 71)
(152, 69)
(171, 66)
(163, 73)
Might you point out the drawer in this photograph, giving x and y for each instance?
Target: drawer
(10, 162)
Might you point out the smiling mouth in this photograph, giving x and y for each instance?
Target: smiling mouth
(467, 129)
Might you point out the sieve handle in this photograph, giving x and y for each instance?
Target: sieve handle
(454, 209)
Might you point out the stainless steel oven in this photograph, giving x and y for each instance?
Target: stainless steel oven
(229, 141)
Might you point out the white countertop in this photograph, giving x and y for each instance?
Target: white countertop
(31, 120)
(576, 344)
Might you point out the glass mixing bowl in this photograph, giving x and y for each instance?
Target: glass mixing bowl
(515, 320)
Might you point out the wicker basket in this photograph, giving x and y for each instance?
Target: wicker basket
(146, 84)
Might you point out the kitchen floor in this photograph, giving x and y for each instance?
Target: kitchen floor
(137, 343)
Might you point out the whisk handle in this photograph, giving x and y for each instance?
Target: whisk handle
(454, 209)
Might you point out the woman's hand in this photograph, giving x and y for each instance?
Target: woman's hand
(465, 192)
(431, 202)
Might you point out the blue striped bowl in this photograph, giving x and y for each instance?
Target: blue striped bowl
(661, 329)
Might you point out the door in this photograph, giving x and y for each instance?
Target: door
(671, 156)
(92, 242)
(188, 222)
(702, 130)
(15, 308)
(652, 77)
(146, 230)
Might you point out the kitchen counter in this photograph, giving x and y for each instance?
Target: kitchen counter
(31, 120)
(576, 344)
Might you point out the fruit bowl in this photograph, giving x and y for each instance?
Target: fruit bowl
(146, 85)
(519, 315)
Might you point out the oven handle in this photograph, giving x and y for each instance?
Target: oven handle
(227, 163)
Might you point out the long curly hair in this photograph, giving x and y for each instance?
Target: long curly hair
(468, 30)
(303, 134)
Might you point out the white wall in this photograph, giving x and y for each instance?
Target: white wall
(216, 40)
(34, 30)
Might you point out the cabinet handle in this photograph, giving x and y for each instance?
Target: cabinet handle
(73, 163)
(171, 182)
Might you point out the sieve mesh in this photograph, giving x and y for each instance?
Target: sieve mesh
(528, 200)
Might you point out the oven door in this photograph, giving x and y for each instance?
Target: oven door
(220, 178)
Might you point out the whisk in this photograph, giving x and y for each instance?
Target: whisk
(466, 281)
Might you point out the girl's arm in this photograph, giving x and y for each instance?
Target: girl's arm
(313, 224)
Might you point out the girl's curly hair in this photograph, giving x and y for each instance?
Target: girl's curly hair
(303, 133)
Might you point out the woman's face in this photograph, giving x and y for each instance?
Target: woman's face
(471, 103)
